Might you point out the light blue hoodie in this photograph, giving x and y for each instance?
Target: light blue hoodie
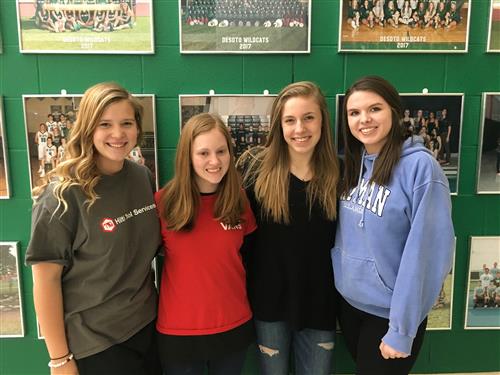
(394, 243)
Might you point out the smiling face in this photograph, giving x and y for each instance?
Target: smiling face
(210, 160)
(370, 119)
(301, 125)
(115, 136)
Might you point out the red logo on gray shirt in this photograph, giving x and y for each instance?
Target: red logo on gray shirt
(108, 225)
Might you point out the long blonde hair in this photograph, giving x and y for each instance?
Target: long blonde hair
(268, 168)
(180, 197)
(79, 166)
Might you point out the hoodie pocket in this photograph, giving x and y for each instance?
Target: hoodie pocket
(358, 279)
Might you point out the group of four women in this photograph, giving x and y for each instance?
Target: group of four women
(306, 240)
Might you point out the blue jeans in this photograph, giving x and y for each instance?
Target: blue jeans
(312, 349)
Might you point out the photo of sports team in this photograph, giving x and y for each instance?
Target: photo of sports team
(436, 121)
(11, 314)
(488, 180)
(244, 26)
(440, 316)
(483, 295)
(96, 26)
(247, 117)
(494, 29)
(4, 173)
(50, 120)
(404, 25)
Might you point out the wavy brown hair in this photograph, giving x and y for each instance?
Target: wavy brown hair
(268, 168)
(390, 153)
(180, 197)
(79, 167)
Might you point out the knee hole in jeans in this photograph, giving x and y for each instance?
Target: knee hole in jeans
(326, 345)
(268, 351)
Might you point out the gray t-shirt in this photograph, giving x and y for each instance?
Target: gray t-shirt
(107, 282)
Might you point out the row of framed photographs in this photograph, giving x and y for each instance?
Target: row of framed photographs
(482, 307)
(434, 118)
(250, 26)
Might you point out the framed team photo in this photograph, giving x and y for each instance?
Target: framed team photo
(434, 119)
(488, 159)
(85, 26)
(441, 314)
(246, 116)
(4, 169)
(49, 120)
(430, 26)
(245, 26)
(482, 310)
(11, 306)
(494, 27)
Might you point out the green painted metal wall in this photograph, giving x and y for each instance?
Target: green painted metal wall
(168, 74)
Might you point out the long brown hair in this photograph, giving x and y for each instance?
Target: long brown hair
(79, 167)
(269, 167)
(390, 153)
(180, 197)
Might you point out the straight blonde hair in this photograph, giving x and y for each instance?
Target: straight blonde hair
(180, 197)
(268, 168)
(79, 167)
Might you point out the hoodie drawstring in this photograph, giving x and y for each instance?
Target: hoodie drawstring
(361, 223)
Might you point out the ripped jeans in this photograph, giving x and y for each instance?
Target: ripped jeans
(312, 349)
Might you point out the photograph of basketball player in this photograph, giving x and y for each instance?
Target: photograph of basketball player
(245, 26)
(85, 26)
(48, 130)
(488, 158)
(404, 25)
(432, 119)
(11, 306)
(483, 293)
(440, 317)
(494, 27)
(247, 117)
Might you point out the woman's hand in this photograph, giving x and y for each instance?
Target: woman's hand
(390, 353)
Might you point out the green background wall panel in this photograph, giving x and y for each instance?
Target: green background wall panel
(323, 66)
(265, 72)
(167, 118)
(471, 120)
(19, 178)
(16, 220)
(19, 72)
(168, 74)
(398, 69)
(14, 123)
(475, 71)
(325, 22)
(166, 160)
(77, 72)
(480, 11)
(467, 177)
(167, 26)
(9, 23)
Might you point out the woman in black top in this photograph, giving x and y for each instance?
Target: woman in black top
(292, 185)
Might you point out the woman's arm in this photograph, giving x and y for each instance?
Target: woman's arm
(47, 294)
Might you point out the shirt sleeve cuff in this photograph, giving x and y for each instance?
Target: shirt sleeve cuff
(397, 341)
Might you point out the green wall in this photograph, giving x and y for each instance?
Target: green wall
(167, 74)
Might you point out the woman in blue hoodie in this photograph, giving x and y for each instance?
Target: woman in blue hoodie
(394, 241)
